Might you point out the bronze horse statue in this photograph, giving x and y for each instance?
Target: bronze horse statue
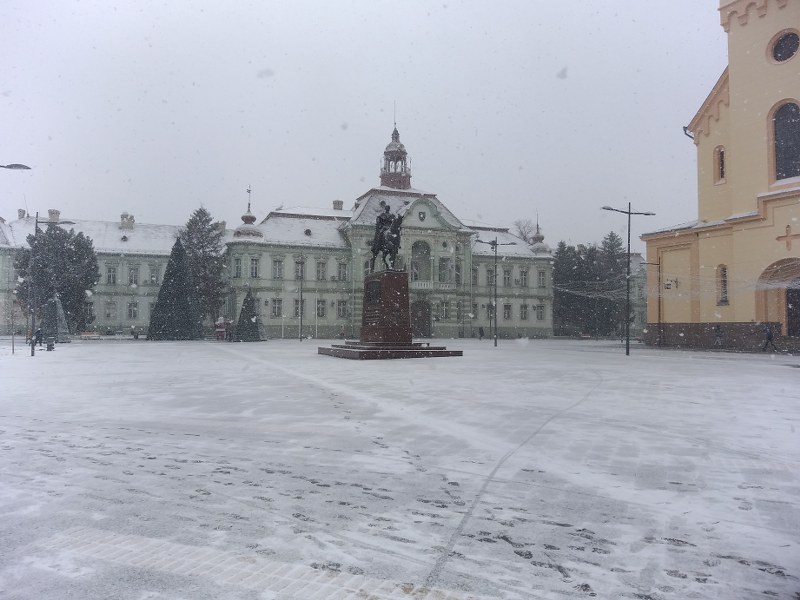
(387, 243)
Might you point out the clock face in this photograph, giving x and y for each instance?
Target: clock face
(785, 47)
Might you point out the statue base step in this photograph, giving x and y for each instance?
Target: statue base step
(386, 350)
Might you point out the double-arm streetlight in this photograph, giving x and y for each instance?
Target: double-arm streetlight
(628, 212)
(18, 167)
(494, 244)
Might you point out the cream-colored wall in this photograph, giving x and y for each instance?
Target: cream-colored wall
(757, 84)
(716, 203)
(714, 249)
(677, 286)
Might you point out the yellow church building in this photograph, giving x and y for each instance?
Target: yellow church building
(718, 280)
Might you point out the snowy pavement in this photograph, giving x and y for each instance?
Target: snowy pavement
(538, 469)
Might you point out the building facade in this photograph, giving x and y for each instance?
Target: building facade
(306, 266)
(737, 266)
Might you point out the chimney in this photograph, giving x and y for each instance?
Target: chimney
(337, 205)
(21, 212)
(53, 214)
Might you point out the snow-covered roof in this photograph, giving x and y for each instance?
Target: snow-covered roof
(314, 212)
(508, 245)
(298, 230)
(681, 226)
(106, 236)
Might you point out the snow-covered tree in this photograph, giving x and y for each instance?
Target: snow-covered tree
(202, 240)
(58, 262)
(175, 315)
(247, 327)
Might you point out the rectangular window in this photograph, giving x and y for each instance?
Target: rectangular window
(322, 270)
(445, 310)
(111, 275)
(111, 310)
(489, 311)
(321, 308)
(154, 274)
(341, 309)
(237, 268)
(489, 277)
(445, 270)
(133, 310)
(341, 271)
(277, 269)
(542, 281)
(459, 311)
(299, 270)
(277, 307)
(523, 277)
(506, 277)
(88, 311)
(458, 272)
(254, 268)
(299, 307)
(474, 275)
(523, 312)
(506, 312)
(540, 312)
(474, 314)
(133, 275)
(414, 270)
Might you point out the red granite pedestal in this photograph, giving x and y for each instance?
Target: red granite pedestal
(386, 324)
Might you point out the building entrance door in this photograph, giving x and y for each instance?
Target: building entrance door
(421, 319)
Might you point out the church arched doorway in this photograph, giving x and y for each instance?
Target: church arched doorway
(421, 319)
(778, 295)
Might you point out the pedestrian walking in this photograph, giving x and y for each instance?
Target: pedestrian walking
(717, 336)
(768, 338)
(480, 333)
(39, 337)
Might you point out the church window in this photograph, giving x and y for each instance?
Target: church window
(277, 307)
(321, 305)
(341, 271)
(787, 141)
(277, 269)
(719, 164)
(254, 268)
(322, 270)
(722, 285)
(506, 312)
(111, 275)
(786, 46)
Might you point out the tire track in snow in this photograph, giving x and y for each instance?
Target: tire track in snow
(441, 562)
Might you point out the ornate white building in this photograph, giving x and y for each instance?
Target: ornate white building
(306, 266)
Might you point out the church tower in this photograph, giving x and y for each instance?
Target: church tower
(395, 172)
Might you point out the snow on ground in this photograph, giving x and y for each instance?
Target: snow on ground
(541, 469)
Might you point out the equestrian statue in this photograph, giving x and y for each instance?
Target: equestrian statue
(387, 237)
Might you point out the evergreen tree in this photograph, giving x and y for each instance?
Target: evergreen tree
(175, 315)
(202, 240)
(58, 262)
(247, 327)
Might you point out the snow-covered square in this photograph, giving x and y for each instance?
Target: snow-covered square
(537, 469)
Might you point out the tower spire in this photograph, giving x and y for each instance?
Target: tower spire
(395, 172)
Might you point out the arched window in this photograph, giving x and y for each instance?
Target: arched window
(787, 141)
(722, 285)
(719, 164)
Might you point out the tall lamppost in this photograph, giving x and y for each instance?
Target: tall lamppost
(494, 244)
(32, 288)
(628, 212)
(300, 273)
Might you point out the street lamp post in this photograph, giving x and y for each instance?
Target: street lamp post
(494, 244)
(16, 167)
(628, 212)
(32, 287)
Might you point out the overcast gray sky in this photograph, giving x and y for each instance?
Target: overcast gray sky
(507, 109)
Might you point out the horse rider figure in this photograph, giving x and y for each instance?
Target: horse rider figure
(386, 230)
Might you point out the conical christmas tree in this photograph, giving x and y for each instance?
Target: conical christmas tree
(247, 327)
(55, 322)
(175, 316)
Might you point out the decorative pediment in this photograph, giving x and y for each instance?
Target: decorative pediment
(711, 108)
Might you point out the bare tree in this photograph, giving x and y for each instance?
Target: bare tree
(525, 229)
